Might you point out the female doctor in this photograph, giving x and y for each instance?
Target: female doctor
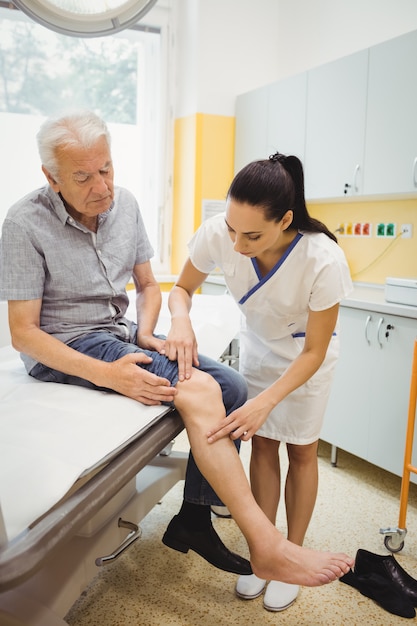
(287, 274)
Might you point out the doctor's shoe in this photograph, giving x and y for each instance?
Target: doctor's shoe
(387, 567)
(280, 596)
(221, 511)
(207, 544)
(249, 587)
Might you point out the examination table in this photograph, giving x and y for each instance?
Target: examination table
(79, 469)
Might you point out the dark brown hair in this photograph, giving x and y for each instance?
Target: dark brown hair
(277, 185)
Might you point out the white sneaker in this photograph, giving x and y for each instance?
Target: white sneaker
(279, 596)
(220, 511)
(249, 587)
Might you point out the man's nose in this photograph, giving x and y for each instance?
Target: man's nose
(100, 184)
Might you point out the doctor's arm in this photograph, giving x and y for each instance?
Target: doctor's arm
(122, 375)
(181, 343)
(250, 417)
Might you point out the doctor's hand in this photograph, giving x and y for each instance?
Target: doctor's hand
(181, 346)
(125, 377)
(242, 423)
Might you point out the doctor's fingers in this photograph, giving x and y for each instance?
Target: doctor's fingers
(183, 354)
(229, 429)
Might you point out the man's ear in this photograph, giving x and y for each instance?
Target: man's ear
(51, 180)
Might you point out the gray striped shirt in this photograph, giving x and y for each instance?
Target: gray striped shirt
(80, 276)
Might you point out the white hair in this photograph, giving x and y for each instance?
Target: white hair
(83, 129)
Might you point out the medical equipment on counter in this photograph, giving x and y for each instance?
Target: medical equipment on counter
(401, 290)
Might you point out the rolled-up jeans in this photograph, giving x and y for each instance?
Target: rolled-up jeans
(105, 346)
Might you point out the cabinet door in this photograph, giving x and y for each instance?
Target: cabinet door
(391, 128)
(335, 131)
(392, 346)
(346, 421)
(251, 127)
(286, 125)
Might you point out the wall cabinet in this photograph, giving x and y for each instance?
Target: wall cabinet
(251, 127)
(391, 127)
(286, 128)
(335, 130)
(271, 119)
(352, 122)
(368, 405)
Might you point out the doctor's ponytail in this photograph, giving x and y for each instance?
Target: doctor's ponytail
(277, 185)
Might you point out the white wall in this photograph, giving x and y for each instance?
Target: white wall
(313, 32)
(227, 47)
(224, 47)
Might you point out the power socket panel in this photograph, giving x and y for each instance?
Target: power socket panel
(406, 231)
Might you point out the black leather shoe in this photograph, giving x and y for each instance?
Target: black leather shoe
(387, 567)
(382, 591)
(207, 544)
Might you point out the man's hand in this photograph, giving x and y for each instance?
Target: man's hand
(150, 342)
(132, 381)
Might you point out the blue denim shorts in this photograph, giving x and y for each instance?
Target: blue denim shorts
(106, 346)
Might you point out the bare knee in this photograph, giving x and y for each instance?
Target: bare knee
(200, 394)
(302, 455)
(263, 447)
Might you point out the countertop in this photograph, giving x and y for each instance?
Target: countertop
(369, 296)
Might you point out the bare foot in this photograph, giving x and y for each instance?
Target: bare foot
(294, 564)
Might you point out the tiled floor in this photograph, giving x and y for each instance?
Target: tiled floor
(153, 585)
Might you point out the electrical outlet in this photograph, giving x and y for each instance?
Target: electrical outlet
(380, 230)
(386, 230)
(366, 229)
(406, 231)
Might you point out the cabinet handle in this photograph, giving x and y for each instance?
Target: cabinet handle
(355, 178)
(414, 172)
(381, 319)
(368, 320)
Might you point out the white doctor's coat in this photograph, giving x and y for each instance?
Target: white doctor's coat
(312, 274)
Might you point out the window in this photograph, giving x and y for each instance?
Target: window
(121, 77)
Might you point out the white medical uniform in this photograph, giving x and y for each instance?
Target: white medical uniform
(312, 274)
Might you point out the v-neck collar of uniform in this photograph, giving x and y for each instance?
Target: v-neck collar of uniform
(264, 279)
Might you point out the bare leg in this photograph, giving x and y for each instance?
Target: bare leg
(265, 475)
(272, 556)
(301, 489)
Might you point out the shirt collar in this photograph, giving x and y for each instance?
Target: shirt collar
(63, 214)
